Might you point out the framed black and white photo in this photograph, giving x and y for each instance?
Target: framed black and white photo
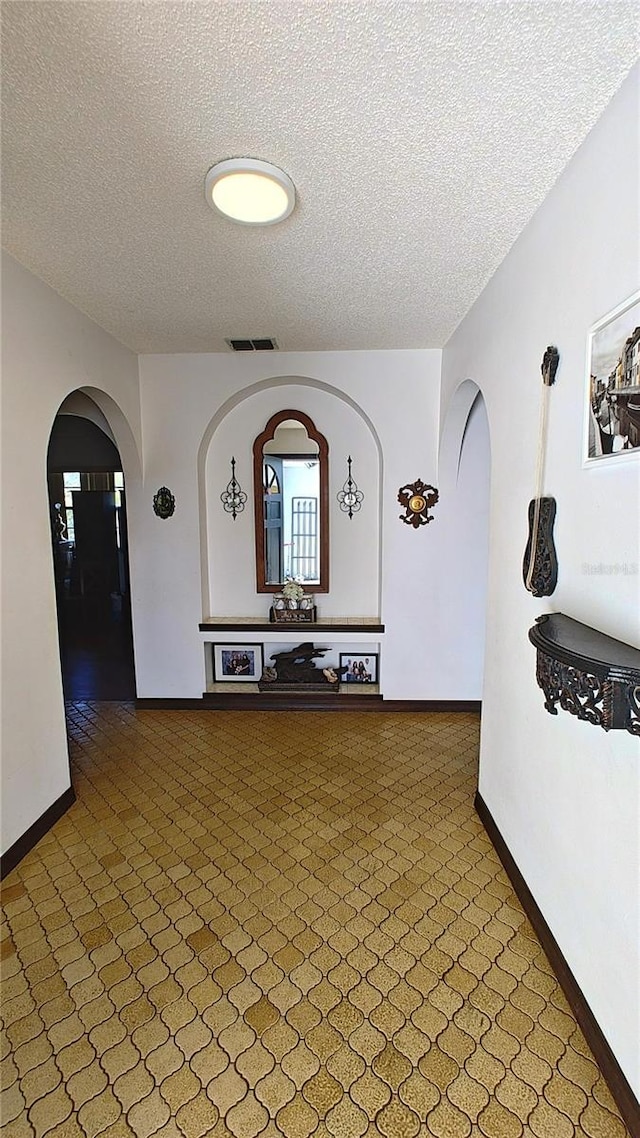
(237, 663)
(358, 668)
(612, 403)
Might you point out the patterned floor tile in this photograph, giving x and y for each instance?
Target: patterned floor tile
(276, 924)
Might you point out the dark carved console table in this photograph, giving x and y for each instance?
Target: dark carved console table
(587, 673)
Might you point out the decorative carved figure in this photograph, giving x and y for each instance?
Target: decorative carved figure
(297, 665)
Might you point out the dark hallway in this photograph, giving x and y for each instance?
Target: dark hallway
(90, 552)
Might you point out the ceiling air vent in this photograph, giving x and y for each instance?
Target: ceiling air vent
(264, 345)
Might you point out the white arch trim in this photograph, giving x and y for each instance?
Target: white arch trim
(454, 429)
(123, 435)
(234, 401)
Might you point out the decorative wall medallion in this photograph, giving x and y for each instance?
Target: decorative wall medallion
(233, 498)
(164, 503)
(417, 499)
(350, 497)
(540, 564)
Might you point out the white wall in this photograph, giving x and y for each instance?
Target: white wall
(48, 350)
(367, 404)
(564, 794)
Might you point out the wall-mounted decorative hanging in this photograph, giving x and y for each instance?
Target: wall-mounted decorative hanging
(588, 674)
(350, 497)
(417, 499)
(540, 563)
(233, 498)
(612, 397)
(164, 503)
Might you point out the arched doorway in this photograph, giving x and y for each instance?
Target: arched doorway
(87, 504)
(465, 479)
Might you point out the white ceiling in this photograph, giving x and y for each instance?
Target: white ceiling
(421, 136)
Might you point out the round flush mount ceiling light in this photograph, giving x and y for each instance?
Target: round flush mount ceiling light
(249, 191)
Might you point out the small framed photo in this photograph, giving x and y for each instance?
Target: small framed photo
(358, 668)
(237, 663)
(612, 402)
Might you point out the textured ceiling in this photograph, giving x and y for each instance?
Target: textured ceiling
(421, 137)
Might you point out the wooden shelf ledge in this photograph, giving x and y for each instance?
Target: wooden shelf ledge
(587, 673)
(304, 631)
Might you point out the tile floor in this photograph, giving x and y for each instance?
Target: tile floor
(280, 924)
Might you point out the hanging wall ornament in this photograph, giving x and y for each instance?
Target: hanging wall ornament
(540, 563)
(417, 499)
(233, 498)
(350, 497)
(164, 503)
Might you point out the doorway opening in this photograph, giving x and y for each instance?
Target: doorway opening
(87, 508)
(465, 480)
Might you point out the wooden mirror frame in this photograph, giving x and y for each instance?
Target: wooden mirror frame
(267, 435)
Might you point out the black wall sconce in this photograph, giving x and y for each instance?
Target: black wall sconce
(350, 497)
(233, 498)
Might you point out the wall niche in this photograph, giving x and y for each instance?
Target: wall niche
(354, 559)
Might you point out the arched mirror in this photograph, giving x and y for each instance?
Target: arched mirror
(291, 501)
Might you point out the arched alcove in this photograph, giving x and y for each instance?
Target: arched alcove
(464, 483)
(227, 547)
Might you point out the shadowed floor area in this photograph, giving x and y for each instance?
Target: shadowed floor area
(280, 924)
(96, 650)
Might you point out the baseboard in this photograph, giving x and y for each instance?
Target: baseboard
(453, 705)
(32, 836)
(151, 703)
(266, 701)
(613, 1074)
